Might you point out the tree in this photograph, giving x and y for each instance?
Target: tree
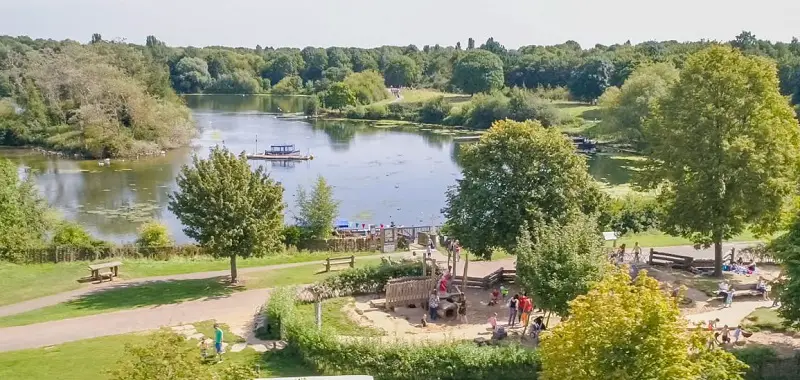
(591, 79)
(24, 216)
(624, 330)
(524, 105)
(401, 71)
(191, 75)
(72, 235)
(470, 43)
(339, 96)
(288, 86)
(368, 86)
(167, 356)
(517, 173)
(787, 250)
(154, 234)
(627, 109)
(724, 148)
(560, 262)
(96, 38)
(227, 208)
(337, 57)
(240, 82)
(478, 71)
(316, 60)
(317, 211)
(363, 61)
(282, 66)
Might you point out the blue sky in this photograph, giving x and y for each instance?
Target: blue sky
(368, 23)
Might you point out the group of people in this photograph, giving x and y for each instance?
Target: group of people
(618, 256)
(520, 308)
(725, 333)
(395, 91)
(453, 249)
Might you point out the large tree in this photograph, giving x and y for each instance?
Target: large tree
(631, 330)
(228, 208)
(787, 249)
(478, 71)
(517, 174)
(24, 216)
(317, 210)
(724, 148)
(401, 71)
(190, 75)
(626, 109)
(560, 262)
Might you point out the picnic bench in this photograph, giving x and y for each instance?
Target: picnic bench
(339, 261)
(743, 290)
(670, 259)
(113, 270)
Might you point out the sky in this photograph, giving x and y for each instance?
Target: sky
(370, 23)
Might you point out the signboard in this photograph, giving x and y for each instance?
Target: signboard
(389, 239)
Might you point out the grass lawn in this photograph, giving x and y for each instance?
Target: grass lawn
(91, 358)
(660, 239)
(169, 292)
(423, 94)
(765, 319)
(335, 318)
(24, 282)
(578, 109)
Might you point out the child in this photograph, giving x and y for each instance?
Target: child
(424, 319)
(218, 341)
(504, 292)
(493, 321)
(729, 299)
(726, 335)
(204, 349)
(495, 297)
(736, 334)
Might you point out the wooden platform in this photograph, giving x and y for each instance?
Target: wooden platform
(280, 157)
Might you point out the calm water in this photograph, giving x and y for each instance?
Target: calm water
(379, 175)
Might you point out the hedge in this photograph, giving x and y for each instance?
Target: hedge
(366, 280)
(334, 355)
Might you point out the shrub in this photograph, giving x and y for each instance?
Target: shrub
(292, 235)
(368, 86)
(633, 213)
(456, 117)
(153, 234)
(434, 111)
(486, 109)
(377, 111)
(371, 279)
(312, 106)
(757, 357)
(552, 93)
(288, 86)
(404, 111)
(395, 361)
(357, 112)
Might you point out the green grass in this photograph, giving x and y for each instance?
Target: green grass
(765, 319)
(576, 109)
(336, 319)
(424, 94)
(660, 239)
(92, 358)
(25, 282)
(169, 292)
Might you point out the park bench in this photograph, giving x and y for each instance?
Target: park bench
(743, 290)
(670, 259)
(113, 270)
(339, 261)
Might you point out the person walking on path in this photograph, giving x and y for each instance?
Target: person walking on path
(218, 341)
(637, 252)
(433, 305)
(512, 310)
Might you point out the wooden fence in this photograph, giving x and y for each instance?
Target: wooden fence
(351, 244)
(491, 280)
(68, 254)
(409, 290)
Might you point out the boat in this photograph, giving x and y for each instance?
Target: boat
(583, 145)
(285, 152)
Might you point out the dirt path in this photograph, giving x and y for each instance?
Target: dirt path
(39, 303)
(731, 316)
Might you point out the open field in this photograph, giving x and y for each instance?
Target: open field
(765, 319)
(169, 292)
(423, 94)
(29, 281)
(577, 109)
(92, 358)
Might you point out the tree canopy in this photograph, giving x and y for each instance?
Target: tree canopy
(724, 148)
(478, 71)
(401, 71)
(24, 219)
(517, 174)
(560, 262)
(228, 208)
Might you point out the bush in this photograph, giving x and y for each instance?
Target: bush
(377, 112)
(486, 109)
(633, 213)
(552, 93)
(368, 86)
(371, 279)
(312, 106)
(288, 86)
(758, 358)
(292, 235)
(523, 105)
(404, 111)
(357, 112)
(394, 361)
(456, 117)
(153, 234)
(434, 111)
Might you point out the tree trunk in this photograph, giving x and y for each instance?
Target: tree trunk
(718, 258)
(234, 272)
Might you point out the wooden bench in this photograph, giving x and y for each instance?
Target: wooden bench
(339, 261)
(743, 290)
(113, 270)
(670, 259)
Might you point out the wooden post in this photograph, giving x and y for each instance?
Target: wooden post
(328, 264)
(352, 261)
(464, 278)
(424, 266)
(650, 260)
(318, 313)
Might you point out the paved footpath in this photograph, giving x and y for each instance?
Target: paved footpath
(731, 316)
(39, 303)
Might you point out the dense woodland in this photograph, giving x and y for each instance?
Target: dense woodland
(114, 98)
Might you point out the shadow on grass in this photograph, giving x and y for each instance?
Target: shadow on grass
(284, 363)
(127, 296)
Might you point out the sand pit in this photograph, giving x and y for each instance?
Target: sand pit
(404, 323)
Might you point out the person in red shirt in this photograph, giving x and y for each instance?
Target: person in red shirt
(525, 306)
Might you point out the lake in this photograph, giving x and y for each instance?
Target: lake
(379, 174)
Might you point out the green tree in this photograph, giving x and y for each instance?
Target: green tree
(288, 86)
(724, 148)
(363, 61)
(24, 216)
(317, 210)
(96, 38)
(153, 234)
(311, 106)
(627, 109)
(524, 105)
(339, 96)
(228, 208)
(517, 174)
(787, 249)
(316, 60)
(478, 71)
(72, 234)
(631, 330)
(402, 71)
(239, 82)
(191, 75)
(368, 86)
(591, 79)
(560, 262)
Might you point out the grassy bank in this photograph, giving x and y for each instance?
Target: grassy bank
(767, 320)
(29, 281)
(92, 358)
(335, 318)
(170, 292)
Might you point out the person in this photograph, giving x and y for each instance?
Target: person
(512, 310)
(424, 320)
(495, 297)
(457, 251)
(218, 341)
(729, 299)
(431, 247)
(761, 286)
(723, 290)
(493, 321)
(433, 305)
(504, 292)
(536, 328)
(428, 251)
(726, 338)
(737, 333)
(204, 349)
(526, 306)
(712, 324)
(637, 251)
(621, 254)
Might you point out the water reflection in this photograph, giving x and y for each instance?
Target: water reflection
(239, 103)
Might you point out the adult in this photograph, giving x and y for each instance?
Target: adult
(512, 310)
(637, 252)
